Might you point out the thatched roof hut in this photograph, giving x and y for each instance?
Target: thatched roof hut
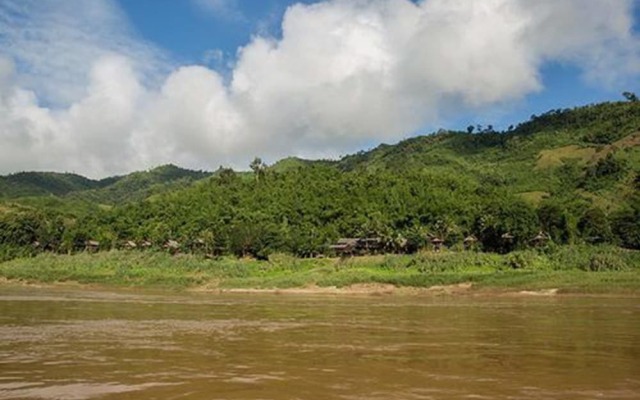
(171, 244)
(540, 239)
(470, 241)
(437, 243)
(370, 244)
(91, 245)
(507, 237)
(345, 246)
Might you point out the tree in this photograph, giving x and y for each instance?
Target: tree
(625, 225)
(594, 226)
(258, 167)
(554, 220)
(630, 96)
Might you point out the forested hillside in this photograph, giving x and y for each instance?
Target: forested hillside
(25, 184)
(572, 174)
(112, 190)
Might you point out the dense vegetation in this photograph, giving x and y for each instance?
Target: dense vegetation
(112, 190)
(574, 174)
(567, 269)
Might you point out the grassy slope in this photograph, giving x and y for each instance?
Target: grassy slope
(569, 269)
(529, 159)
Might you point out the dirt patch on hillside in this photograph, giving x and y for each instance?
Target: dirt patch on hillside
(555, 157)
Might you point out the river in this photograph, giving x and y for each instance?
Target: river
(79, 344)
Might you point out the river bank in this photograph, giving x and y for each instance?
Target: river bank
(562, 270)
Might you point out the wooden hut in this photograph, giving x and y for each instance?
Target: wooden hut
(370, 245)
(345, 246)
(91, 246)
(507, 237)
(469, 242)
(172, 245)
(198, 245)
(437, 243)
(540, 239)
(401, 244)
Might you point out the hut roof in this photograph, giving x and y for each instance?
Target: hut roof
(348, 241)
(92, 243)
(344, 244)
(470, 239)
(507, 236)
(540, 237)
(171, 244)
(146, 243)
(436, 240)
(131, 244)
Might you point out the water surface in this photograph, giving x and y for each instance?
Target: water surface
(66, 344)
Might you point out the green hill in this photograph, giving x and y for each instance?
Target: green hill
(573, 174)
(140, 185)
(27, 187)
(25, 184)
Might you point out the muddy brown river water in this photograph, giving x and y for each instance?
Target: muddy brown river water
(79, 344)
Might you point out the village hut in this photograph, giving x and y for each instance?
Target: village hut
(198, 245)
(130, 245)
(507, 237)
(91, 245)
(172, 245)
(345, 246)
(470, 241)
(145, 244)
(36, 244)
(437, 243)
(401, 244)
(370, 245)
(540, 239)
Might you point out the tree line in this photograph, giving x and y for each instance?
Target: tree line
(302, 212)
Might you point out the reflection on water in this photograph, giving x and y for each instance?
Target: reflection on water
(57, 344)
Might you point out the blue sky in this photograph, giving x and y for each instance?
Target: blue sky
(109, 86)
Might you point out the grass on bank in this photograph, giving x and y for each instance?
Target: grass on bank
(577, 269)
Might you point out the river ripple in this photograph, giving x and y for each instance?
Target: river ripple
(78, 344)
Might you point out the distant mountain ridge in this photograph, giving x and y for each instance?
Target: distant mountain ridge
(134, 186)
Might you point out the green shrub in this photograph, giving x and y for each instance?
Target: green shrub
(605, 262)
(518, 261)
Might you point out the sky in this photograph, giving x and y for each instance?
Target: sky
(107, 87)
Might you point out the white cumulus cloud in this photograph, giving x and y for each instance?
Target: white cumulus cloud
(90, 97)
